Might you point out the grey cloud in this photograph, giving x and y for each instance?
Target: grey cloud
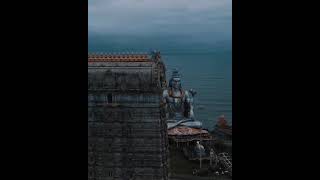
(146, 15)
(202, 20)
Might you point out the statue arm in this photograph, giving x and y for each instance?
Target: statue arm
(191, 112)
(164, 102)
(189, 101)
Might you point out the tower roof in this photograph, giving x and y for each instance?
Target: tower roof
(119, 57)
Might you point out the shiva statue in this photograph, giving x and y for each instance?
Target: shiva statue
(179, 104)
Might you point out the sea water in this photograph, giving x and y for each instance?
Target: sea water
(205, 67)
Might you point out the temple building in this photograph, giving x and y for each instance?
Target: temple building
(127, 128)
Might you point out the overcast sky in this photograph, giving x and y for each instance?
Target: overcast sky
(196, 18)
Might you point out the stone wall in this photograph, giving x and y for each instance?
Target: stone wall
(127, 137)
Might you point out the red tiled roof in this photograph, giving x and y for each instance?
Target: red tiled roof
(118, 58)
(183, 130)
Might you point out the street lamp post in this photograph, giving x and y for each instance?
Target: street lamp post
(199, 147)
(211, 157)
(200, 159)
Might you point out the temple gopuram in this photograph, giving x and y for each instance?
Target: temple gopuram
(127, 128)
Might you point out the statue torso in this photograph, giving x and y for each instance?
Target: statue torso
(175, 100)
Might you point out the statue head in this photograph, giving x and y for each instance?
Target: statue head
(175, 81)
